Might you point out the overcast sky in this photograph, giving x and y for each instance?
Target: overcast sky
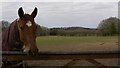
(62, 14)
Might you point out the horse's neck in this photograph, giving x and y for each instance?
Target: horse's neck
(11, 39)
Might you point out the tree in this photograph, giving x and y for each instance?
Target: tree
(108, 26)
(54, 31)
(3, 25)
(42, 31)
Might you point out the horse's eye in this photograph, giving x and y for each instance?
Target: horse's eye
(21, 28)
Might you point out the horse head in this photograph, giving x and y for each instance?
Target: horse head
(27, 30)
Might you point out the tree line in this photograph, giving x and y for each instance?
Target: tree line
(107, 27)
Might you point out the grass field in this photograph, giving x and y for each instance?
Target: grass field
(77, 43)
(60, 40)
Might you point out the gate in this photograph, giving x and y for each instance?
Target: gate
(73, 56)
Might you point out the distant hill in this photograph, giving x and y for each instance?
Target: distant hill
(73, 31)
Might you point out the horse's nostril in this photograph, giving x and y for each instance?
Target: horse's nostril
(33, 52)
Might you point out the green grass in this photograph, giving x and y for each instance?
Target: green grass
(57, 40)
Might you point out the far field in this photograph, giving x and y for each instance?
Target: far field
(57, 40)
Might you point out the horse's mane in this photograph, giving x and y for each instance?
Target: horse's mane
(10, 37)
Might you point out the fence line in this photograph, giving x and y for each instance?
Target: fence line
(12, 56)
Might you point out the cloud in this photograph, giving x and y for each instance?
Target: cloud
(58, 14)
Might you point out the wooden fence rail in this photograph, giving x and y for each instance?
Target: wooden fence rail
(61, 55)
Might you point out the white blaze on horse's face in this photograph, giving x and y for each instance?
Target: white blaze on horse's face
(29, 23)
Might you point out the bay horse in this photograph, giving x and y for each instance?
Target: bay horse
(20, 36)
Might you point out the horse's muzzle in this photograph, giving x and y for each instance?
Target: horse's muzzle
(33, 52)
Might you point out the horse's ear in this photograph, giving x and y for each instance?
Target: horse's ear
(20, 12)
(34, 13)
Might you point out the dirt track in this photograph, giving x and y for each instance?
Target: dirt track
(80, 47)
